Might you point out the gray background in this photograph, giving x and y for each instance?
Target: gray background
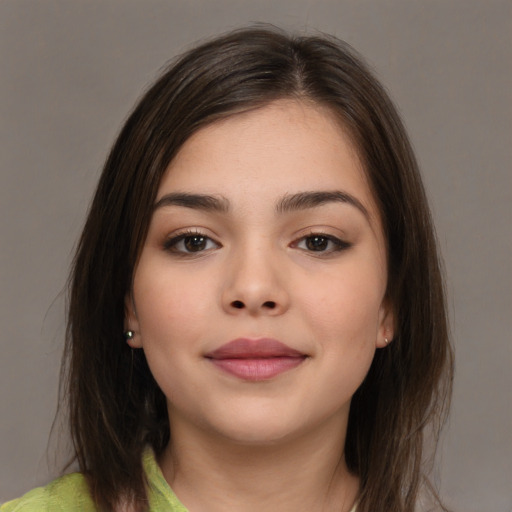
(71, 70)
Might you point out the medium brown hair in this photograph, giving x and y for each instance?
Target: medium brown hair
(116, 407)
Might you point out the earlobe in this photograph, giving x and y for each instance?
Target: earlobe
(131, 324)
(386, 329)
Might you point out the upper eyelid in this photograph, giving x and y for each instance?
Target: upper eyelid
(306, 232)
(169, 244)
(320, 230)
(333, 238)
(181, 234)
(300, 234)
(199, 231)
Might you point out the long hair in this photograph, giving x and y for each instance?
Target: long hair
(116, 407)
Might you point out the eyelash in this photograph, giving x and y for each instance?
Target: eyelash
(171, 244)
(337, 245)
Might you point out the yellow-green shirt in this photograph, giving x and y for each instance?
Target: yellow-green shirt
(70, 493)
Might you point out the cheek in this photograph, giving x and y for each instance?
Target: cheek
(171, 319)
(343, 314)
(347, 304)
(169, 302)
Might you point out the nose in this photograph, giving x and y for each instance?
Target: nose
(255, 284)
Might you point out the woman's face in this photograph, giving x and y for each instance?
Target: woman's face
(258, 298)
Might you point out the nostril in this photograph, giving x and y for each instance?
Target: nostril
(238, 304)
(270, 304)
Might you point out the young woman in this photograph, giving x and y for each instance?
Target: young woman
(257, 318)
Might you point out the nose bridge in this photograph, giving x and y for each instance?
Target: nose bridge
(254, 280)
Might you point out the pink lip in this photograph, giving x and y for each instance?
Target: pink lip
(255, 359)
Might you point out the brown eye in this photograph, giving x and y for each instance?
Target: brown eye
(195, 243)
(317, 243)
(320, 243)
(188, 243)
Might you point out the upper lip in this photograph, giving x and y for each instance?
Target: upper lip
(253, 348)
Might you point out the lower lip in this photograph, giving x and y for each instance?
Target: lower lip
(258, 369)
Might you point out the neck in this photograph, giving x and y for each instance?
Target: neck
(209, 473)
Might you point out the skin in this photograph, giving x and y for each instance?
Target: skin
(275, 444)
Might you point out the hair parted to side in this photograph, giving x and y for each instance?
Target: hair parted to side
(116, 408)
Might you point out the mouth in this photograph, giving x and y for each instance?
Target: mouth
(255, 359)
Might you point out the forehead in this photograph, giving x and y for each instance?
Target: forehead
(284, 147)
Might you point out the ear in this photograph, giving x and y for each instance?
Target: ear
(386, 330)
(131, 322)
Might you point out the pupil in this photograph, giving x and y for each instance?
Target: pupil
(317, 243)
(195, 243)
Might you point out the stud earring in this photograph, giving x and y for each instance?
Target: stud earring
(386, 341)
(129, 335)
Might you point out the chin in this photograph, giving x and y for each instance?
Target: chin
(259, 429)
(259, 437)
(279, 426)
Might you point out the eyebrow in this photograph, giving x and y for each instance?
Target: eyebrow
(195, 201)
(289, 203)
(305, 200)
